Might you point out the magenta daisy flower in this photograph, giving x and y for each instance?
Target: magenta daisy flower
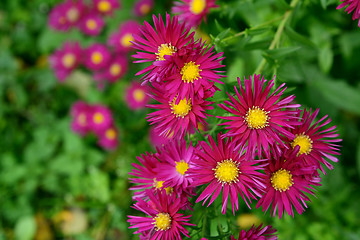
(115, 70)
(172, 119)
(156, 139)
(192, 12)
(354, 6)
(57, 18)
(106, 7)
(164, 220)
(91, 24)
(257, 233)
(195, 73)
(122, 40)
(286, 184)
(143, 7)
(97, 56)
(108, 138)
(74, 10)
(176, 159)
(100, 118)
(223, 168)
(260, 117)
(316, 142)
(81, 113)
(136, 96)
(66, 59)
(159, 44)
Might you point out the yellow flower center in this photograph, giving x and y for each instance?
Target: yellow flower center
(104, 6)
(281, 180)
(182, 108)
(72, 15)
(304, 142)
(158, 184)
(227, 171)
(110, 134)
(190, 72)
(197, 6)
(91, 24)
(181, 167)
(98, 118)
(169, 190)
(81, 119)
(165, 49)
(256, 118)
(139, 95)
(96, 57)
(68, 60)
(145, 9)
(115, 69)
(162, 221)
(125, 40)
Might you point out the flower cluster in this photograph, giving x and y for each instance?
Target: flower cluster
(271, 151)
(87, 18)
(97, 119)
(182, 74)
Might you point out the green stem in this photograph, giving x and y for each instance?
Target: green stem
(278, 33)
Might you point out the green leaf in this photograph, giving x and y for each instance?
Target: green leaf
(281, 52)
(257, 31)
(25, 228)
(298, 37)
(236, 70)
(358, 157)
(325, 58)
(324, 3)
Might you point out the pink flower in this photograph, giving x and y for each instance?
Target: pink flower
(159, 44)
(143, 7)
(192, 12)
(259, 117)
(114, 71)
(66, 59)
(91, 24)
(259, 233)
(164, 220)
(175, 120)
(66, 14)
(176, 159)
(156, 140)
(108, 138)
(354, 6)
(317, 143)
(225, 169)
(97, 57)
(100, 119)
(137, 96)
(122, 40)
(286, 183)
(106, 7)
(81, 113)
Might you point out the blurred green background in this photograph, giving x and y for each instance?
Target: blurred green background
(55, 184)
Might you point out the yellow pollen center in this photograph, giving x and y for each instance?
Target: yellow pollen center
(227, 171)
(72, 15)
(182, 108)
(115, 69)
(139, 95)
(96, 57)
(158, 184)
(169, 190)
(162, 221)
(125, 40)
(304, 142)
(91, 24)
(182, 167)
(197, 6)
(165, 49)
(104, 6)
(145, 9)
(190, 72)
(110, 134)
(256, 118)
(81, 119)
(98, 118)
(68, 60)
(281, 180)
